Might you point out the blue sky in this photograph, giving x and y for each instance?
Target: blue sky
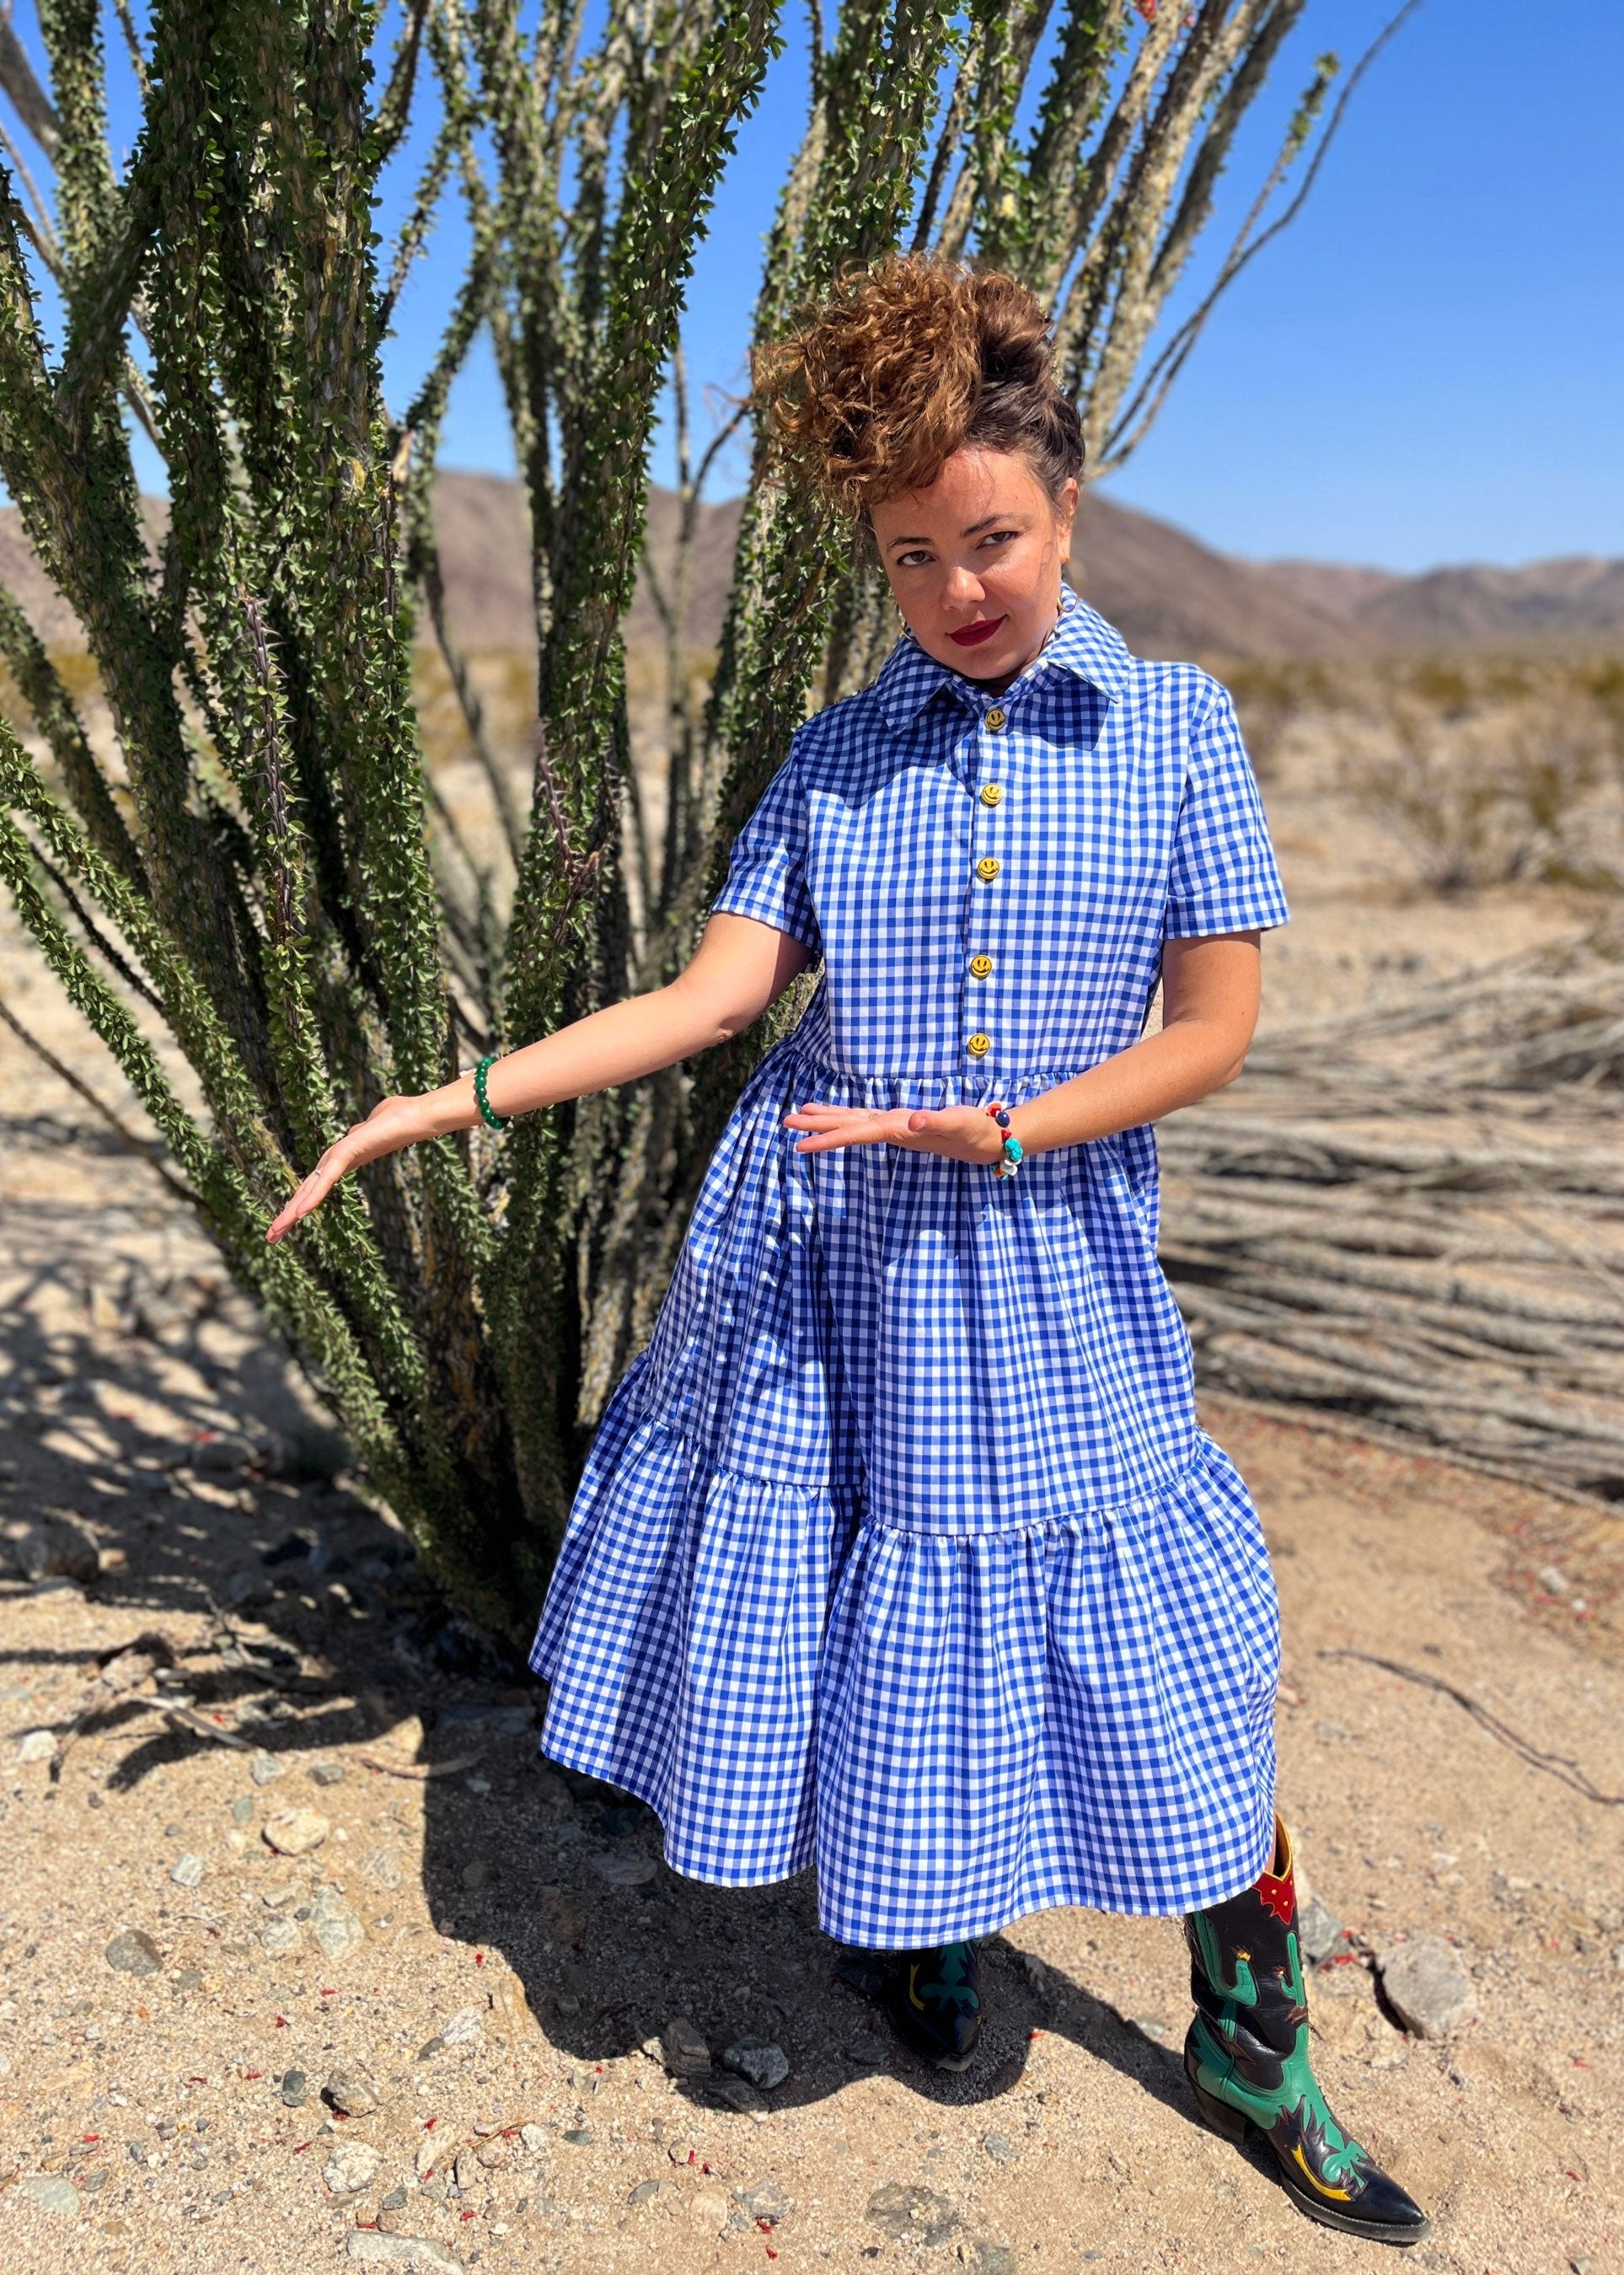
(1424, 369)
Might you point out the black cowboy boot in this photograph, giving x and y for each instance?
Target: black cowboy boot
(933, 1999)
(1247, 2057)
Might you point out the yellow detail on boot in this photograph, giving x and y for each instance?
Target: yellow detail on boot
(1343, 2195)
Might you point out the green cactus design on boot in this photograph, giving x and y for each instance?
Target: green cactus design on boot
(1296, 2113)
(1247, 2056)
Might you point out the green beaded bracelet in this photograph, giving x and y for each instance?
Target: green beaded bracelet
(487, 1113)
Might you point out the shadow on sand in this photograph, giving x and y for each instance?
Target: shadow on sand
(158, 1421)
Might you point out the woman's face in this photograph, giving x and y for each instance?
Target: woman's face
(975, 561)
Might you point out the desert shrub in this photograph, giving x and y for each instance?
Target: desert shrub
(1493, 772)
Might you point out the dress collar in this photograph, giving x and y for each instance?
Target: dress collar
(1080, 642)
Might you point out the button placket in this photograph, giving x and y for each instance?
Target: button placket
(990, 797)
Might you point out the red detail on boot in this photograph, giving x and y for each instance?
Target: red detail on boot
(1277, 1895)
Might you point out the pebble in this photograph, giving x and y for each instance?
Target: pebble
(350, 2167)
(51, 2192)
(624, 1868)
(477, 1873)
(765, 2202)
(1001, 2148)
(427, 2156)
(296, 1831)
(187, 1870)
(710, 2211)
(351, 2092)
(918, 2213)
(533, 2138)
(294, 2088)
(264, 1768)
(1427, 1986)
(579, 2136)
(246, 1590)
(326, 1772)
(765, 2066)
(54, 1549)
(335, 1926)
(465, 2028)
(683, 2050)
(281, 1937)
(1319, 1929)
(218, 1452)
(242, 1807)
(373, 2246)
(644, 2192)
(135, 1953)
(36, 1745)
(997, 2258)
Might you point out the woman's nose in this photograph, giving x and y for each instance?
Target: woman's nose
(963, 590)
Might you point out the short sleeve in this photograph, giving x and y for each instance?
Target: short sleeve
(767, 876)
(1224, 877)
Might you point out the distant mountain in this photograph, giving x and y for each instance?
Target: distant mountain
(1168, 593)
(1570, 600)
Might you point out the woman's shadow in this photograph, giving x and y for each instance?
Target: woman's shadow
(561, 1875)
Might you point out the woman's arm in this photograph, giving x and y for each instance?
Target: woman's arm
(737, 970)
(1210, 992)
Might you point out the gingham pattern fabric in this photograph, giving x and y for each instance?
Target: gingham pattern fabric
(900, 1550)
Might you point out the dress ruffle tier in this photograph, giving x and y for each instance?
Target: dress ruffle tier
(964, 1680)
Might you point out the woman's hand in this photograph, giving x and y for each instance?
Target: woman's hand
(961, 1133)
(388, 1129)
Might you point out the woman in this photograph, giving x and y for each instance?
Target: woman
(900, 1550)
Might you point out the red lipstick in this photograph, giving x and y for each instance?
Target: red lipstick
(973, 635)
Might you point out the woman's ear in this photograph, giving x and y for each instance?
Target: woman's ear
(1066, 511)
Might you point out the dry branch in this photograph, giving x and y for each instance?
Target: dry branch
(1411, 1216)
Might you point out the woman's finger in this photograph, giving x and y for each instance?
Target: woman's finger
(334, 1164)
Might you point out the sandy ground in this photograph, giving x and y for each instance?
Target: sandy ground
(515, 1942)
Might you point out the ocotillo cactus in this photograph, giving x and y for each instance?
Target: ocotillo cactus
(258, 864)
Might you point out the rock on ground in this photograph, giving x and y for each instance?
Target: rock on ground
(373, 2249)
(1426, 1985)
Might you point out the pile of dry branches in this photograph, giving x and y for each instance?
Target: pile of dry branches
(1417, 1216)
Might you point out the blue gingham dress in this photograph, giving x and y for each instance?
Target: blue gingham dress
(900, 1550)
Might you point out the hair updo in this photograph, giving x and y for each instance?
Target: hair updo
(905, 364)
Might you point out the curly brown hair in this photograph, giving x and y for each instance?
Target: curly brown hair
(903, 365)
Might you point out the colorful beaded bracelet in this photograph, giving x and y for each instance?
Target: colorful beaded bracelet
(487, 1113)
(1014, 1154)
